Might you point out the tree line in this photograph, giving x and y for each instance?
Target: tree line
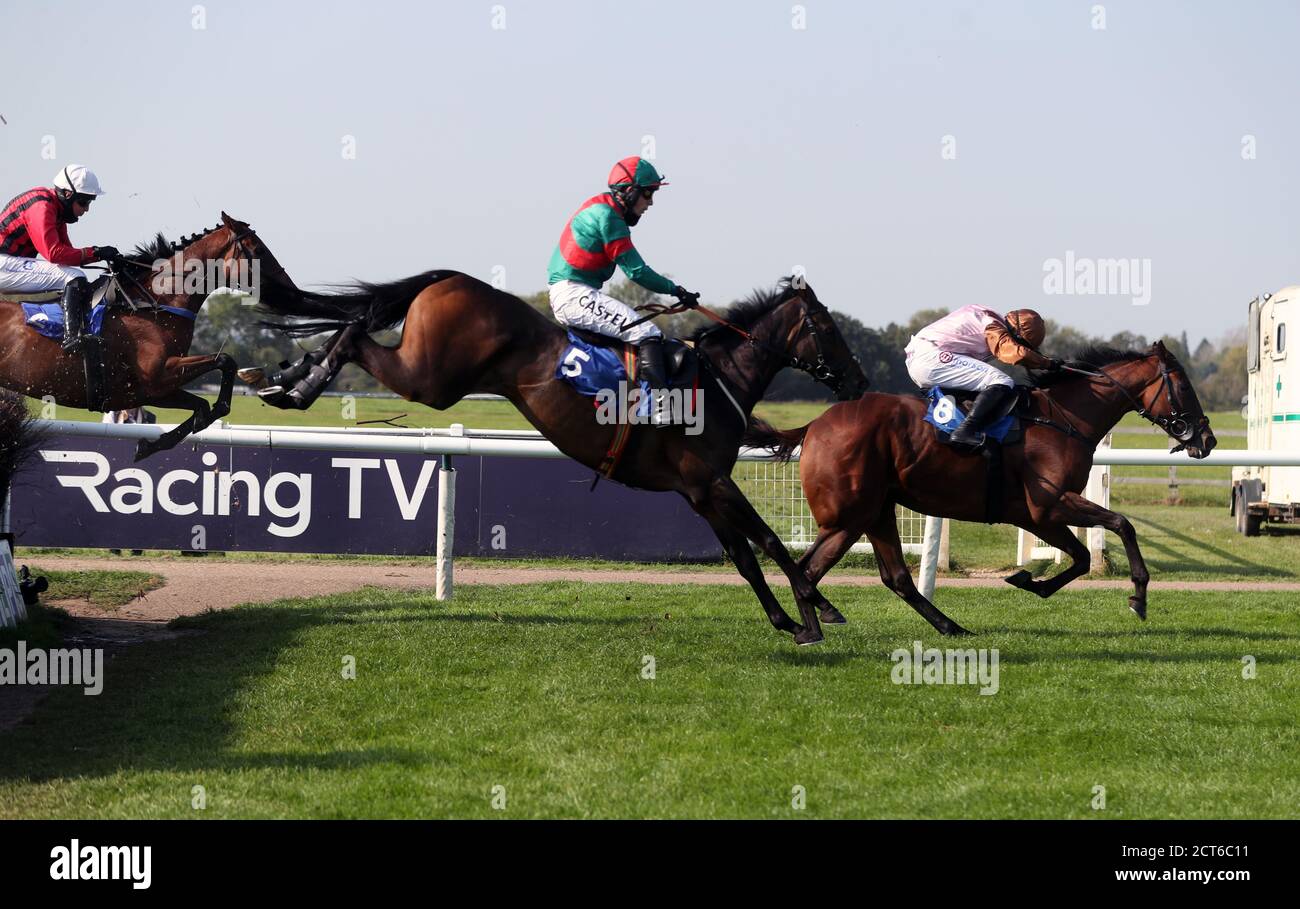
(1217, 370)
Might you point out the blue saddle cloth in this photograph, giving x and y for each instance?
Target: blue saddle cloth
(591, 370)
(998, 431)
(47, 318)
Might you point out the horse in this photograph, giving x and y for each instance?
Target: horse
(463, 336)
(145, 344)
(862, 458)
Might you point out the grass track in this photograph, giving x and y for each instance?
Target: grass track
(539, 690)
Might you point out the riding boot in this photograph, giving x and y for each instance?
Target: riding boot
(989, 404)
(650, 364)
(75, 295)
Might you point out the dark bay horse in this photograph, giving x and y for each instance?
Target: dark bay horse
(145, 349)
(861, 458)
(462, 336)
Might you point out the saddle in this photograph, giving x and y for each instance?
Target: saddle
(1007, 428)
(680, 361)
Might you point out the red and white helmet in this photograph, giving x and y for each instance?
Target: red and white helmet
(78, 179)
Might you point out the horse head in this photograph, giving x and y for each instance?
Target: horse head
(804, 331)
(1170, 401)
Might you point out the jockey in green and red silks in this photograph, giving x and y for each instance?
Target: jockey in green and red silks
(597, 238)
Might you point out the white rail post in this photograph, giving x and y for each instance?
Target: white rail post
(1098, 492)
(930, 554)
(446, 541)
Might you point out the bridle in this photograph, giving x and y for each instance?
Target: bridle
(236, 243)
(1179, 425)
(821, 369)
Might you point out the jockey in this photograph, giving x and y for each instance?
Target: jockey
(36, 222)
(951, 354)
(595, 240)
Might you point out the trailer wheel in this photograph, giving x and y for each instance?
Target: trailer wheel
(1247, 523)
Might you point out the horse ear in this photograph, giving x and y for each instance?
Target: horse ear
(232, 223)
(1159, 347)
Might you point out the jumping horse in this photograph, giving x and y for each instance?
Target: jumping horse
(142, 352)
(462, 336)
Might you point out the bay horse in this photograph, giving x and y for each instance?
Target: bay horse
(862, 458)
(145, 344)
(462, 336)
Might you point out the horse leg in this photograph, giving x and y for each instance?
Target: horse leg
(893, 572)
(735, 509)
(178, 372)
(1075, 509)
(737, 549)
(179, 399)
(1063, 538)
(821, 557)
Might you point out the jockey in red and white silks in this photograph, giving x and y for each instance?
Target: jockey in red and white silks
(35, 223)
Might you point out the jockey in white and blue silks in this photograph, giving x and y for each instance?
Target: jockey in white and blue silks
(35, 223)
(952, 353)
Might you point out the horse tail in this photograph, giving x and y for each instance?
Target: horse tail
(782, 442)
(19, 438)
(378, 306)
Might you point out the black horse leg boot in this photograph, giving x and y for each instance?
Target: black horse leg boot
(75, 294)
(650, 362)
(991, 400)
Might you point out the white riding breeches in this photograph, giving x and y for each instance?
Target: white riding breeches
(30, 276)
(928, 366)
(579, 306)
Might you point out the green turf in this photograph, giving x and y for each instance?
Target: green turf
(539, 690)
(106, 590)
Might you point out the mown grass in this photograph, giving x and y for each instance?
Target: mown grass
(106, 590)
(540, 690)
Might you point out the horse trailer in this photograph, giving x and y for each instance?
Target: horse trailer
(1270, 494)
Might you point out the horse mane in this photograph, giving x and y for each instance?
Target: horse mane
(746, 312)
(161, 248)
(1090, 357)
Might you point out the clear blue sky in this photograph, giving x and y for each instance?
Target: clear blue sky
(818, 147)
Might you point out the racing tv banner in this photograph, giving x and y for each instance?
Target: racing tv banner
(81, 492)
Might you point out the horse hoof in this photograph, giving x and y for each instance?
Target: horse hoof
(1139, 607)
(254, 376)
(807, 637)
(143, 450)
(1021, 579)
(956, 631)
(275, 396)
(829, 615)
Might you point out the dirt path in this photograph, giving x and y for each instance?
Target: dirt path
(194, 586)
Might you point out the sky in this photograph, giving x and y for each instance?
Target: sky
(903, 155)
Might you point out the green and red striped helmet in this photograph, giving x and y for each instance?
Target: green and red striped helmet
(637, 172)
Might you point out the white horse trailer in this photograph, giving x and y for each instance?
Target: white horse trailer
(1264, 494)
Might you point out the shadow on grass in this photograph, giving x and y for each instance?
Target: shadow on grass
(171, 705)
(1175, 560)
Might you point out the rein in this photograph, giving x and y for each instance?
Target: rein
(1179, 426)
(820, 370)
